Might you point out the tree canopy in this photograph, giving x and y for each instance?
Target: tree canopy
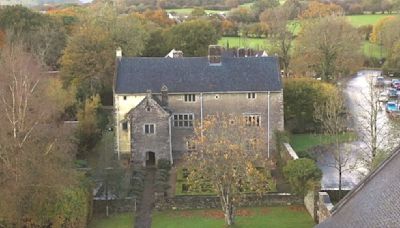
(328, 47)
(192, 37)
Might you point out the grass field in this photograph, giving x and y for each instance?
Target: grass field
(255, 43)
(124, 220)
(304, 142)
(282, 217)
(374, 50)
(367, 19)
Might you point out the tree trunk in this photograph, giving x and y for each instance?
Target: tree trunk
(229, 214)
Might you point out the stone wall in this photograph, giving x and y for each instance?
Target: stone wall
(205, 202)
(287, 153)
(114, 206)
(324, 206)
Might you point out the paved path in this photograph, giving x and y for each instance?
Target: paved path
(144, 213)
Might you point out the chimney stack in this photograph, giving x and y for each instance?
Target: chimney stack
(164, 96)
(214, 54)
(118, 53)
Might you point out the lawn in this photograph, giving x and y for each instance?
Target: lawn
(124, 220)
(367, 19)
(282, 217)
(374, 50)
(304, 142)
(255, 43)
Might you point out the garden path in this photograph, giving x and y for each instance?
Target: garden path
(144, 213)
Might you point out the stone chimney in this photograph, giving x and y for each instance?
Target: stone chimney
(118, 53)
(164, 96)
(214, 55)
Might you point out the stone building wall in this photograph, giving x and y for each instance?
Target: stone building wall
(149, 112)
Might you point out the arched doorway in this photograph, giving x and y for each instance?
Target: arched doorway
(150, 159)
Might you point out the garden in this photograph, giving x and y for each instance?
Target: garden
(283, 217)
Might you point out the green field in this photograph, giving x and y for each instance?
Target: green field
(124, 220)
(304, 142)
(367, 19)
(374, 50)
(255, 43)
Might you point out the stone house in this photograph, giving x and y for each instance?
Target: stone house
(157, 100)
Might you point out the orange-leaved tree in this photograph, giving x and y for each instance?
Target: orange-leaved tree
(229, 157)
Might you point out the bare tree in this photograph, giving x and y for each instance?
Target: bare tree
(373, 125)
(281, 30)
(332, 116)
(35, 156)
(228, 152)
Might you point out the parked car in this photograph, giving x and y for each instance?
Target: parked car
(380, 81)
(383, 97)
(395, 82)
(392, 93)
(391, 107)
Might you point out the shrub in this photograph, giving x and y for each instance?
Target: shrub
(299, 97)
(164, 164)
(303, 175)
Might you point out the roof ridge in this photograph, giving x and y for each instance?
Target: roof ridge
(365, 181)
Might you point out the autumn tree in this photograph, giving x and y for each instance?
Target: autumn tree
(260, 6)
(318, 9)
(230, 156)
(333, 119)
(385, 32)
(39, 186)
(192, 37)
(88, 60)
(328, 47)
(393, 61)
(281, 33)
(42, 34)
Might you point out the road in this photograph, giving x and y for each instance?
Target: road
(356, 91)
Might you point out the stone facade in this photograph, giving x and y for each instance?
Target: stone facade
(149, 126)
(236, 103)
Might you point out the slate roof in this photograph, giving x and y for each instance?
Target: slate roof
(374, 202)
(195, 74)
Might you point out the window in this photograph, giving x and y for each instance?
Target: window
(252, 120)
(190, 97)
(191, 146)
(149, 129)
(125, 126)
(183, 120)
(124, 98)
(251, 96)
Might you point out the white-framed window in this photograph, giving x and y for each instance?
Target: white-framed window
(189, 97)
(149, 129)
(251, 95)
(183, 120)
(252, 120)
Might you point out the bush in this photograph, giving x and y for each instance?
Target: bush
(299, 97)
(303, 175)
(164, 164)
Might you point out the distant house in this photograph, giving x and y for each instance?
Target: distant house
(157, 100)
(374, 202)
